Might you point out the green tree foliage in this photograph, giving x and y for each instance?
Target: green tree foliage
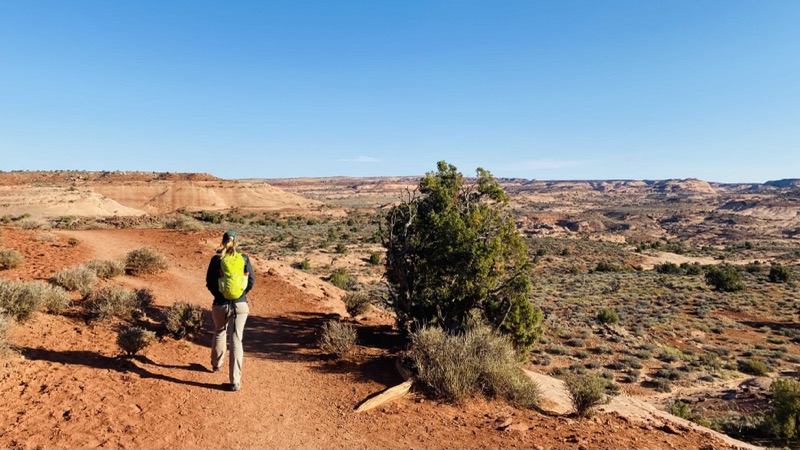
(453, 252)
(779, 274)
(784, 414)
(724, 278)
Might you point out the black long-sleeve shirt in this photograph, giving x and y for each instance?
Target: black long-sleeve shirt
(212, 280)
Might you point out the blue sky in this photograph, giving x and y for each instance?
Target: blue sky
(534, 89)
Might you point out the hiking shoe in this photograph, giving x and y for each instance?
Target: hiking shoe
(233, 387)
(215, 369)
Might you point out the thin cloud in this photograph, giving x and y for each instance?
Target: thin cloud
(359, 159)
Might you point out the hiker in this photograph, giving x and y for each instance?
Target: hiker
(229, 278)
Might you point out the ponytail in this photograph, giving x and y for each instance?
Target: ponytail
(229, 247)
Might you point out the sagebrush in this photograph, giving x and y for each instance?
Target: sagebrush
(20, 299)
(586, 392)
(337, 338)
(455, 367)
(111, 301)
(133, 339)
(145, 261)
(106, 268)
(184, 319)
(9, 258)
(80, 278)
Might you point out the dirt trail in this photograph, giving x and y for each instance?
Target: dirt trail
(72, 390)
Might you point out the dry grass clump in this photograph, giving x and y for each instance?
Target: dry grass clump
(9, 258)
(106, 268)
(18, 299)
(111, 301)
(4, 347)
(586, 392)
(456, 367)
(356, 303)
(184, 319)
(79, 278)
(133, 339)
(337, 338)
(143, 261)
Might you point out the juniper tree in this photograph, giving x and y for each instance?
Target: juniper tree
(453, 253)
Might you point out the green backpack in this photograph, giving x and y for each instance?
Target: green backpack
(233, 278)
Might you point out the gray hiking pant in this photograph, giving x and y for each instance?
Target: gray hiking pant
(229, 319)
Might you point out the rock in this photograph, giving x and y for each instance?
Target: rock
(669, 428)
(505, 424)
(518, 427)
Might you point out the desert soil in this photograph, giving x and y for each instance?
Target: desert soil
(66, 386)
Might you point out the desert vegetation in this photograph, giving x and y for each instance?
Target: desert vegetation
(652, 292)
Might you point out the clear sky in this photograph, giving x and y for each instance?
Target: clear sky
(554, 89)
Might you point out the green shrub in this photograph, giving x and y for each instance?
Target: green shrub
(341, 279)
(669, 268)
(724, 278)
(111, 301)
(337, 338)
(133, 339)
(752, 366)
(605, 266)
(184, 319)
(586, 392)
(375, 258)
(305, 264)
(607, 316)
(680, 409)
(9, 258)
(105, 268)
(341, 248)
(144, 261)
(79, 278)
(455, 367)
(783, 418)
(356, 303)
(779, 274)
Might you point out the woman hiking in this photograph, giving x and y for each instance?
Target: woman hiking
(229, 278)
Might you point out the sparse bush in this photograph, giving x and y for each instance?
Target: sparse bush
(337, 338)
(680, 409)
(54, 298)
(305, 264)
(133, 339)
(752, 366)
(586, 392)
(184, 319)
(16, 300)
(779, 274)
(144, 261)
(20, 299)
(111, 301)
(143, 298)
(73, 242)
(783, 418)
(724, 278)
(455, 367)
(79, 278)
(607, 316)
(356, 303)
(341, 248)
(105, 268)
(9, 258)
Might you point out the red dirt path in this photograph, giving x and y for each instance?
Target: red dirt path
(72, 390)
